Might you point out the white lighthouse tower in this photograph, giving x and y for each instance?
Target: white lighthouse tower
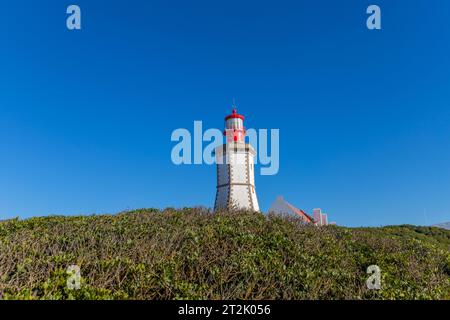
(235, 168)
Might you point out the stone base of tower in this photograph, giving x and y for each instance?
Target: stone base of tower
(236, 177)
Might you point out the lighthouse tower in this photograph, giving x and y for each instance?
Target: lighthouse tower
(235, 168)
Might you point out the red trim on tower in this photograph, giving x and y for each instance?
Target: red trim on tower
(234, 115)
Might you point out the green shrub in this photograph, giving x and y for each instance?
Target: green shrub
(194, 254)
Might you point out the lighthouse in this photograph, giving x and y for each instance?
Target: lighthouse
(235, 168)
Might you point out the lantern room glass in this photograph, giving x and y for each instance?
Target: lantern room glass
(234, 123)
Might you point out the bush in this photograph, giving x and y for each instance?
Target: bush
(195, 254)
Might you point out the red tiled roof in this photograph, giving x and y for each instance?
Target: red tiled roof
(301, 213)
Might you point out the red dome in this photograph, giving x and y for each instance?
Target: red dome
(234, 114)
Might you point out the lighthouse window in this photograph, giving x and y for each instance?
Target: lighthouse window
(234, 123)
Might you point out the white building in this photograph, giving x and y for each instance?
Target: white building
(235, 168)
(320, 219)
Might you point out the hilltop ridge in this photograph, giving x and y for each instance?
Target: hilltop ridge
(192, 253)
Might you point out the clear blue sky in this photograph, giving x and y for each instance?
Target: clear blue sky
(86, 116)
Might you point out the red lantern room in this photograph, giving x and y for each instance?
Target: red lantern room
(234, 127)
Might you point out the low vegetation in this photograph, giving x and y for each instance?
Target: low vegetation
(195, 254)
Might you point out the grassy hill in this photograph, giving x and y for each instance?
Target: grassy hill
(193, 254)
